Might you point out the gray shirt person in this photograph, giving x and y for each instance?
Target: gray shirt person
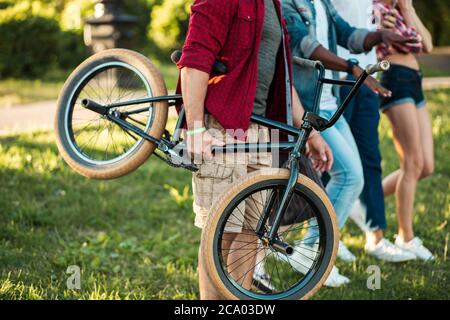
(267, 56)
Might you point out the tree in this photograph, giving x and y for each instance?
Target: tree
(436, 16)
(169, 23)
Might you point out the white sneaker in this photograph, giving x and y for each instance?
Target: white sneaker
(262, 280)
(302, 260)
(358, 214)
(344, 254)
(387, 251)
(335, 279)
(416, 247)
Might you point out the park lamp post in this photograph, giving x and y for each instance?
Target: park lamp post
(110, 27)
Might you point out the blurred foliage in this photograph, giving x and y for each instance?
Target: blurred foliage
(436, 16)
(169, 23)
(161, 27)
(25, 42)
(34, 45)
(34, 39)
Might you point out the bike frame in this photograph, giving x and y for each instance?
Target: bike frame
(311, 120)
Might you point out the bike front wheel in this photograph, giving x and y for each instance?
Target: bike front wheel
(243, 263)
(89, 142)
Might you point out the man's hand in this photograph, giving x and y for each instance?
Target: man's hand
(391, 39)
(372, 83)
(199, 146)
(319, 152)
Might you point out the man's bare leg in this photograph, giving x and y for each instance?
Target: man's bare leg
(207, 290)
(240, 254)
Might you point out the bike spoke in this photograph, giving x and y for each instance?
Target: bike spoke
(96, 137)
(282, 271)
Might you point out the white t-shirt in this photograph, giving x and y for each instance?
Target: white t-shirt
(359, 14)
(328, 101)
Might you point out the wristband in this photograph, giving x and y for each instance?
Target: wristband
(196, 131)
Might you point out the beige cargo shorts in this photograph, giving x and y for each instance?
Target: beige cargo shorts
(214, 177)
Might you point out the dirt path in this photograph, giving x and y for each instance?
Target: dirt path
(25, 118)
(41, 115)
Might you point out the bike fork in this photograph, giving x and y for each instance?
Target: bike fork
(272, 238)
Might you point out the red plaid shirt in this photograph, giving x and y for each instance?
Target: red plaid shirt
(230, 31)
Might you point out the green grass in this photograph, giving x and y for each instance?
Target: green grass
(14, 92)
(134, 237)
(432, 72)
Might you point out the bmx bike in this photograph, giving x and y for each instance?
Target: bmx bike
(112, 116)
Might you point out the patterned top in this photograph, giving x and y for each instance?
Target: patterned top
(380, 9)
(230, 31)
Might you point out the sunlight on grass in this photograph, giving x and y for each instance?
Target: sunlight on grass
(16, 92)
(181, 198)
(134, 238)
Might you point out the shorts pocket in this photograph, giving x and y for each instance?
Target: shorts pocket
(208, 183)
(214, 171)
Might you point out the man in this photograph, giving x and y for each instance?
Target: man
(363, 117)
(250, 37)
(316, 29)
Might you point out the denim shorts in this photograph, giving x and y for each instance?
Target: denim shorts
(406, 86)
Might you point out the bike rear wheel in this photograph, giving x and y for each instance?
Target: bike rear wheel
(90, 143)
(234, 253)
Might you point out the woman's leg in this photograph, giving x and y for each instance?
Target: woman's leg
(426, 138)
(406, 130)
(390, 183)
(426, 135)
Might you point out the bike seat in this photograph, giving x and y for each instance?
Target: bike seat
(218, 67)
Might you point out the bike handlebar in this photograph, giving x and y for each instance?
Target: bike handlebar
(380, 66)
(319, 123)
(315, 64)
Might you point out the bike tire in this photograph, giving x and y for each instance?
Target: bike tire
(316, 195)
(144, 149)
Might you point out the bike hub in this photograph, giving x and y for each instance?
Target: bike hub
(282, 247)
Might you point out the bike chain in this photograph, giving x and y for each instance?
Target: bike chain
(169, 161)
(173, 165)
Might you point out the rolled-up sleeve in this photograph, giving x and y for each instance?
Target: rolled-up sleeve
(302, 43)
(348, 36)
(355, 42)
(208, 29)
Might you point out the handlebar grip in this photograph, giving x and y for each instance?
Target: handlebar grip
(218, 67)
(307, 63)
(380, 66)
(176, 56)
